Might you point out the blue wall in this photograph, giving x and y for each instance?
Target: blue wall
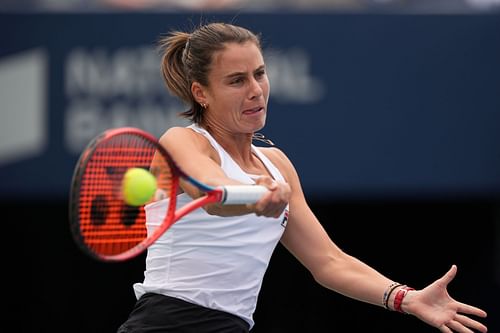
(365, 105)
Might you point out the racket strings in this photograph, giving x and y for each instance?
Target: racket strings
(108, 225)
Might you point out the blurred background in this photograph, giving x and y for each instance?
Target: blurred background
(389, 109)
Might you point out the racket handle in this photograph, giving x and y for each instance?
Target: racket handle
(242, 194)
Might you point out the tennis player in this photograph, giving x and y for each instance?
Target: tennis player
(205, 273)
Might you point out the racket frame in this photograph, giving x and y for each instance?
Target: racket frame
(231, 194)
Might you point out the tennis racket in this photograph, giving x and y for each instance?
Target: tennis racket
(102, 223)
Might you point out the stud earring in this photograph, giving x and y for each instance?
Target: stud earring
(203, 105)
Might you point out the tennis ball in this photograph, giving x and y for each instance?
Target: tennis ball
(138, 186)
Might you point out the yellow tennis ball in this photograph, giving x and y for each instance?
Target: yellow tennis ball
(138, 186)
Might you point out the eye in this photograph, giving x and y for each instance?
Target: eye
(236, 80)
(260, 74)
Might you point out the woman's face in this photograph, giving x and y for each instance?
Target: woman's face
(238, 90)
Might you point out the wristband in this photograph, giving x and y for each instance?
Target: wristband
(398, 299)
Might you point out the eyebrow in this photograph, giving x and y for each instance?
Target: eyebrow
(236, 74)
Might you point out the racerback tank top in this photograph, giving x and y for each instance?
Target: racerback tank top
(212, 261)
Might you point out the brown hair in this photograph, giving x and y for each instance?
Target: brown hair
(187, 57)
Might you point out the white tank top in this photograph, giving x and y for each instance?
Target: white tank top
(216, 262)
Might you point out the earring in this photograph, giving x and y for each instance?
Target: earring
(203, 105)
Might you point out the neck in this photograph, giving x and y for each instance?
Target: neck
(237, 145)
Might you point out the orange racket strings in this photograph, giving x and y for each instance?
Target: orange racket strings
(108, 225)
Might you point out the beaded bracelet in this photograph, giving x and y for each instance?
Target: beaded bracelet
(398, 299)
(388, 292)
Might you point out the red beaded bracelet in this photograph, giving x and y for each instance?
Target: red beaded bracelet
(398, 299)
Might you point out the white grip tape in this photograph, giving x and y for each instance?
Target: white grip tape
(243, 194)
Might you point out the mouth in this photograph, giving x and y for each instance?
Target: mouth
(254, 110)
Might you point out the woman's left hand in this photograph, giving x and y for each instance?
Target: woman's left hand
(437, 308)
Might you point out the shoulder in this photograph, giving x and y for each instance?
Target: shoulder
(273, 153)
(280, 160)
(176, 132)
(181, 135)
(185, 138)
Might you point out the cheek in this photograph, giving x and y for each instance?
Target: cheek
(228, 100)
(266, 93)
(222, 98)
(266, 88)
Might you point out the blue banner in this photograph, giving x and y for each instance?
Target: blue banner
(364, 105)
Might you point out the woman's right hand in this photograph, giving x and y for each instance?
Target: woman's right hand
(273, 203)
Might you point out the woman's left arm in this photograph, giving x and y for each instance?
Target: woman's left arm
(334, 269)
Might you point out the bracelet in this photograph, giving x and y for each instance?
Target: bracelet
(388, 292)
(398, 299)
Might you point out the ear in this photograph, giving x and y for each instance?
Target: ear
(198, 93)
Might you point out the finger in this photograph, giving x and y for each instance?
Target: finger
(469, 309)
(279, 211)
(263, 202)
(265, 208)
(267, 182)
(445, 329)
(450, 275)
(466, 321)
(274, 210)
(455, 326)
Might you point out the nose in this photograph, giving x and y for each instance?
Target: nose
(255, 89)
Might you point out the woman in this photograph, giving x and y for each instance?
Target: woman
(205, 273)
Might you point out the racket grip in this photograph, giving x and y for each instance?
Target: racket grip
(243, 194)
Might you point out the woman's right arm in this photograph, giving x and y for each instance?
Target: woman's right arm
(196, 157)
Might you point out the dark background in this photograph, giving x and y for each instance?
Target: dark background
(52, 287)
(399, 158)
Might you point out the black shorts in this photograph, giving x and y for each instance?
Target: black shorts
(164, 314)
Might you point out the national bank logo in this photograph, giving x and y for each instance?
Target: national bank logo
(107, 87)
(23, 107)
